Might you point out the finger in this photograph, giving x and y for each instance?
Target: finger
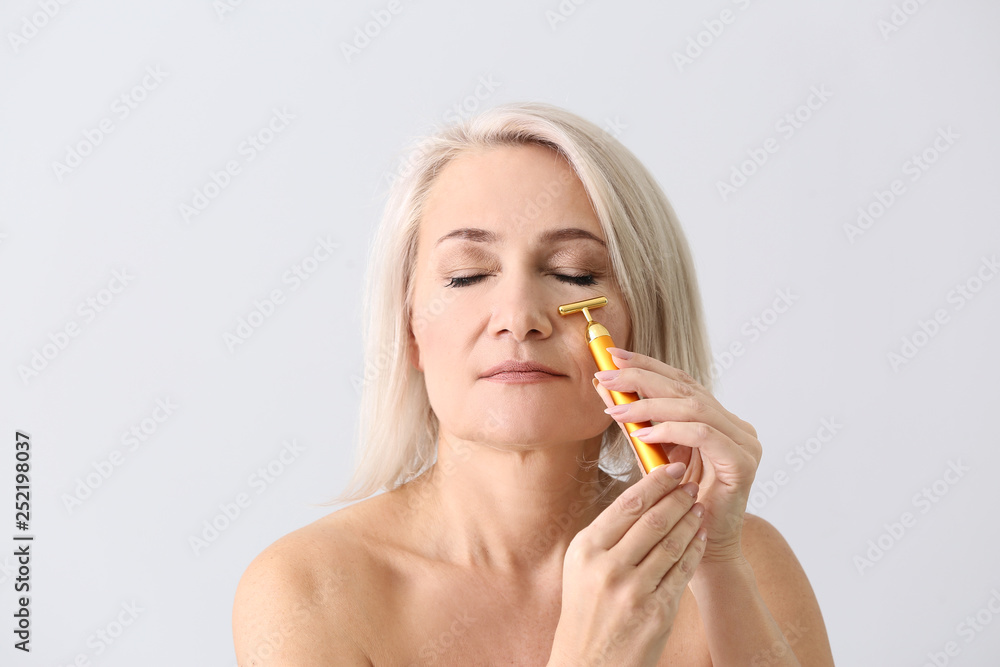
(654, 525)
(680, 574)
(719, 449)
(669, 550)
(645, 382)
(690, 409)
(611, 524)
(679, 376)
(636, 360)
(673, 452)
(608, 401)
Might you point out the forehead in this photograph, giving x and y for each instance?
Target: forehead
(522, 190)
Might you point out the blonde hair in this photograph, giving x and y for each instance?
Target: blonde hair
(650, 259)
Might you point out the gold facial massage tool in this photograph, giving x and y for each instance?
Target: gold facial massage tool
(649, 455)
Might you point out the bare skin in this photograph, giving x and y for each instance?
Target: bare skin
(407, 606)
(465, 564)
(374, 594)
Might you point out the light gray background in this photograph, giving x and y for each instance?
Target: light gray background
(161, 337)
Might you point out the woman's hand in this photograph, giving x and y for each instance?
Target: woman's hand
(685, 414)
(624, 574)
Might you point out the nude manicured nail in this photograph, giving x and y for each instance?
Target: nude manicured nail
(676, 470)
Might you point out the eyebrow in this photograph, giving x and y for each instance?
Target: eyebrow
(486, 236)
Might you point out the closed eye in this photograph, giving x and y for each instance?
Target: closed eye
(584, 280)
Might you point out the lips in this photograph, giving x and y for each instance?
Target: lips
(513, 366)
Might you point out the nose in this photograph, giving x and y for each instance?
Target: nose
(521, 307)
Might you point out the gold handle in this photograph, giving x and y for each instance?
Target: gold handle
(648, 454)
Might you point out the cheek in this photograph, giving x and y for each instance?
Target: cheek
(438, 311)
(426, 349)
(441, 380)
(437, 347)
(618, 326)
(588, 400)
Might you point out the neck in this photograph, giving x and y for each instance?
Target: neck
(512, 510)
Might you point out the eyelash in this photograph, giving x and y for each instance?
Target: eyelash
(584, 280)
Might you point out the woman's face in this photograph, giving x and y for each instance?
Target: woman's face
(507, 236)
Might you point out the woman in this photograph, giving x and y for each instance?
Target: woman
(516, 527)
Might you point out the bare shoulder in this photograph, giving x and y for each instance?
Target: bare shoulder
(786, 591)
(297, 602)
(771, 556)
(761, 538)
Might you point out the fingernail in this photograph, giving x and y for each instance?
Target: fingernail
(617, 410)
(691, 489)
(620, 353)
(676, 470)
(699, 510)
(642, 432)
(606, 375)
